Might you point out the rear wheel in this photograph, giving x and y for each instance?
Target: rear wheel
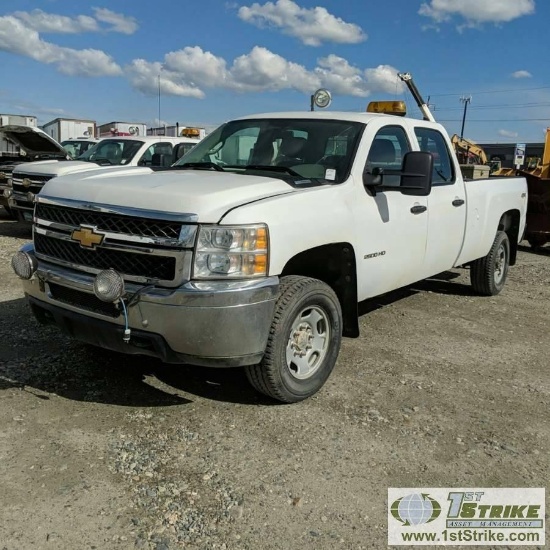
(304, 341)
(488, 274)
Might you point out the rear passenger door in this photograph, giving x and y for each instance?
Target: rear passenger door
(446, 204)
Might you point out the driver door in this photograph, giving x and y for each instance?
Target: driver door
(392, 227)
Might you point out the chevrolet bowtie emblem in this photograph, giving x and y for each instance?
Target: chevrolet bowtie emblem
(26, 182)
(87, 236)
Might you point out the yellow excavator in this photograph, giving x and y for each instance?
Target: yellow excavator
(467, 151)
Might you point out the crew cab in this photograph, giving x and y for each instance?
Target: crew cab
(34, 145)
(256, 247)
(114, 152)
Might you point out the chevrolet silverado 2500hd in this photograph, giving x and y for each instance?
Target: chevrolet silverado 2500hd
(113, 153)
(256, 247)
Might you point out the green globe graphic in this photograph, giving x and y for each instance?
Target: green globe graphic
(415, 509)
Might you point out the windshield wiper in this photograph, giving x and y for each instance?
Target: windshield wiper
(268, 168)
(199, 165)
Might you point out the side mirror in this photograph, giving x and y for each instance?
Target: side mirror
(417, 173)
(373, 178)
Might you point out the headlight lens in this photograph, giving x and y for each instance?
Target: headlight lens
(231, 252)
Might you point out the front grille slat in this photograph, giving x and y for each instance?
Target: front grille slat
(140, 265)
(82, 300)
(105, 221)
(37, 182)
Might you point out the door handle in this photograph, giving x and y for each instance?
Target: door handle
(458, 202)
(418, 209)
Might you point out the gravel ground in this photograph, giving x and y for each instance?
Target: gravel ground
(99, 450)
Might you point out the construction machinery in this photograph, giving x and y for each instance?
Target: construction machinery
(467, 151)
(537, 175)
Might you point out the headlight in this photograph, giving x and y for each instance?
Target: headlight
(231, 252)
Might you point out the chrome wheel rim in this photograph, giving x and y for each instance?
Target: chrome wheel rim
(308, 342)
(500, 264)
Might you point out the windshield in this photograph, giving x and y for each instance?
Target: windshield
(317, 149)
(76, 148)
(112, 151)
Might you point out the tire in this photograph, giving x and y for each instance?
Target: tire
(488, 274)
(303, 344)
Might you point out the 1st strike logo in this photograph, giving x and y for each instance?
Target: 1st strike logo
(88, 237)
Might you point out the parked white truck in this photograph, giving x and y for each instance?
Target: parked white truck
(32, 145)
(257, 256)
(113, 153)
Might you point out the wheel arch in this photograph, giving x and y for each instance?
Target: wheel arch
(335, 265)
(510, 223)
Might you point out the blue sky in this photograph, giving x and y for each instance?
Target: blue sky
(218, 60)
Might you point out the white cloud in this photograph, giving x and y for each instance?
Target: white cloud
(199, 67)
(189, 72)
(522, 74)
(119, 22)
(262, 70)
(16, 37)
(476, 12)
(312, 26)
(144, 76)
(41, 21)
(508, 134)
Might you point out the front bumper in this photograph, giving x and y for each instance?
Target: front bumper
(203, 323)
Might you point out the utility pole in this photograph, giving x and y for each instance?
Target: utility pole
(465, 100)
(159, 99)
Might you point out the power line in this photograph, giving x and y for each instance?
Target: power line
(494, 91)
(547, 119)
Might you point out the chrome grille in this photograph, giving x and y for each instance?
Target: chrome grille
(37, 182)
(149, 266)
(109, 222)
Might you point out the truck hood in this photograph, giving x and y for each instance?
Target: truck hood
(208, 194)
(55, 168)
(33, 140)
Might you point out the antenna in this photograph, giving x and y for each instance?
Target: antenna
(159, 101)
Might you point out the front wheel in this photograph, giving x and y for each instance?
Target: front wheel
(304, 341)
(488, 274)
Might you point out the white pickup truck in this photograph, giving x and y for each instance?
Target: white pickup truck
(113, 153)
(256, 247)
(34, 145)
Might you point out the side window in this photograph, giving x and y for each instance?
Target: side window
(156, 148)
(433, 142)
(387, 151)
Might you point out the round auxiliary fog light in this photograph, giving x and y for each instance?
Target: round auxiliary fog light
(8, 193)
(24, 265)
(109, 286)
(322, 98)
